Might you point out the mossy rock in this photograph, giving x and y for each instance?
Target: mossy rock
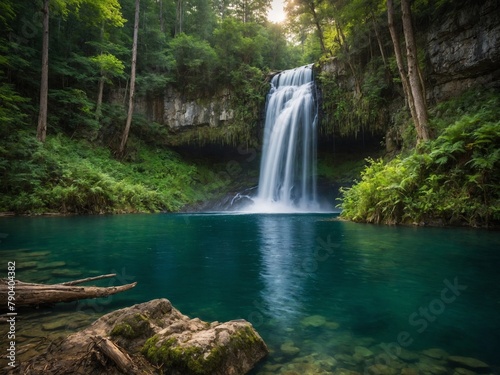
(131, 327)
(235, 349)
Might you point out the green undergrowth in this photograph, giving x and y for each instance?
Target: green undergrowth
(451, 180)
(73, 176)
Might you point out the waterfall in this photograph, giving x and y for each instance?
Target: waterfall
(287, 179)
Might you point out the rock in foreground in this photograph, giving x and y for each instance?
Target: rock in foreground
(152, 338)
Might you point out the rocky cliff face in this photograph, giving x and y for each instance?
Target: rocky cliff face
(464, 50)
(178, 113)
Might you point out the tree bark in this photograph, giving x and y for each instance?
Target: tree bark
(99, 97)
(379, 40)
(416, 84)
(126, 131)
(30, 294)
(41, 131)
(321, 37)
(401, 66)
(119, 356)
(178, 27)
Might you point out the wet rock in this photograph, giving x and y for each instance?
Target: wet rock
(321, 362)
(345, 360)
(463, 371)
(332, 325)
(409, 371)
(56, 264)
(154, 334)
(58, 324)
(469, 363)
(435, 353)
(380, 369)
(289, 349)
(343, 371)
(363, 352)
(431, 368)
(22, 266)
(313, 321)
(408, 356)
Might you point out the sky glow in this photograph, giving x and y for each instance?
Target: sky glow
(276, 14)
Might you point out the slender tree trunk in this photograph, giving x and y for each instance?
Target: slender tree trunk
(401, 65)
(179, 17)
(162, 22)
(379, 40)
(312, 8)
(41, 131)
(99, 97)
(416, 83)
(121, 150)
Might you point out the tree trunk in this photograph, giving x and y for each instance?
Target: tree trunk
(121, 150)
(41, 130)
(29, 294)
(99, 97)
(162, 22)
(416, 84)
(401, 66)
(379, 40)
(312, 8)
(178, 27)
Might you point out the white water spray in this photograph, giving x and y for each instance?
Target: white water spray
(287, 180)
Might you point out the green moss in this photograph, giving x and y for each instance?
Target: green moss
(131, 327)
(190, 360)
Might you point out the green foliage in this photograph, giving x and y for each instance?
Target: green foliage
(108, 64)
(71, 176)
(349, 113)
(195, 61)
(454, 179)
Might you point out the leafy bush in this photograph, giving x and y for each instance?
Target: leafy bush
(453, 179)
(70, 176)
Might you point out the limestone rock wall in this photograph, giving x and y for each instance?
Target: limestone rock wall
(464, 50)
(179, 113)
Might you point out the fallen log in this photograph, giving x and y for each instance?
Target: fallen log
(31, 294)
(116, 354)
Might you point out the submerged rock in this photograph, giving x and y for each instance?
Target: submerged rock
(469, 363)
(289, 349)
(435, 353)
(154, 335)
(314, 321)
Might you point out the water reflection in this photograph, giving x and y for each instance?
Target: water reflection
(284, 245)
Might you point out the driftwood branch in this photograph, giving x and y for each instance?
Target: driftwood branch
(30, 294)
(112, 351)
(81, 281)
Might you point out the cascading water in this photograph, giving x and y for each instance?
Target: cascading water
(288, 167)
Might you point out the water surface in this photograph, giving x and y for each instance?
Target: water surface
(303, 280)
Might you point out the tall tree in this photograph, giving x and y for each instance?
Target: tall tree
(41, 131)
(179, 17)
(126, 131)
(414, 74)
(106, 10)
(304, 13)
(109, 66)
(412, 84)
